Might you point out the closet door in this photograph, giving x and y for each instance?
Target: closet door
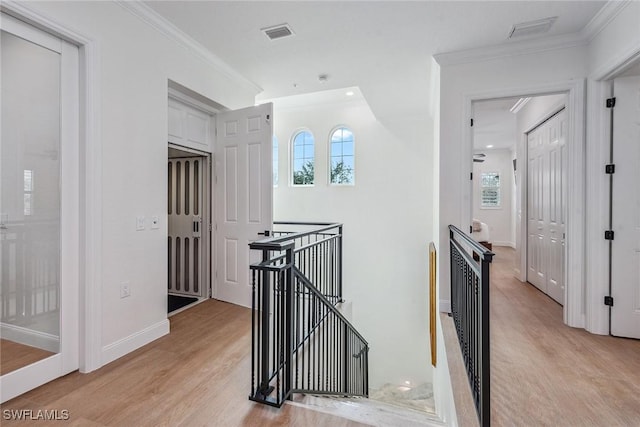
(625, 261)
(546, 206)
(39, 175)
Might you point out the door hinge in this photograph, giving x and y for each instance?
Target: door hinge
(471, 229)
(610, 169)
(471, 176)
(471, 122)
(611, 102)
(608, 235)
(608, 300)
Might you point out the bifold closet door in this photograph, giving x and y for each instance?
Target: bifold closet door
(546, 205)
(185, 225)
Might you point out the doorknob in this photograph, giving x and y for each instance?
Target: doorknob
(266, 233)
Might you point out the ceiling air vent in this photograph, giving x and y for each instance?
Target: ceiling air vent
(530, 28)
(278, 31)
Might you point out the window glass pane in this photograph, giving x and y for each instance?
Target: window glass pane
(342, 160)
(30, 194)
(490, 190)
(303, 158)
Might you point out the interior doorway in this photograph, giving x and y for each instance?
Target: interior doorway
(518, 185)
(188, 242)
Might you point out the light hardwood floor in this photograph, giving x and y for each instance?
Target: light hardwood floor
(546, 373)
(15, 356)
(198, 375)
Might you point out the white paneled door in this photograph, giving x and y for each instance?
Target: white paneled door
(546, 206)
(243, 196)
(625, 268)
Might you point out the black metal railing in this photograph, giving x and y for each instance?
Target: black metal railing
(470, 310)
(300, 341)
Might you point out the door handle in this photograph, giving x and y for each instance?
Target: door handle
(266, 233)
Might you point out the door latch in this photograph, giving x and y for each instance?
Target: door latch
(196, 226)
(266, 233)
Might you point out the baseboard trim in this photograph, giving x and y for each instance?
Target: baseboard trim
(133, 342)
(445, 306)
(29, 337)
(506, 244)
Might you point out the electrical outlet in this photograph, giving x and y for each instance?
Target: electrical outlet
(139, 223)
(125, 290)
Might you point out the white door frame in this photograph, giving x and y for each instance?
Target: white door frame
(598, 137)
(90, 197)
(575, 241)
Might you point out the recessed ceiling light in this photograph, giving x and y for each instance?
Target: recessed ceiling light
(350, 93)
(529, 28)
(489, 146)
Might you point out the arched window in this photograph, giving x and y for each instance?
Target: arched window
(342, 156)
(303, 158)
(275, 161)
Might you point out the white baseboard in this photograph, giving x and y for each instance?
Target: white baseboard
(507, 244)
(133, 342)
(30, 337)
(445, 306)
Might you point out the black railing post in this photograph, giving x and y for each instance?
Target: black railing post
(339, 266)
(264, 387)
(485, 391)
(289, 287)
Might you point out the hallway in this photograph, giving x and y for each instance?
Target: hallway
(546, 373)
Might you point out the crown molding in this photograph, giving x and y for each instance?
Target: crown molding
(525, 47)
(605, 15)
(157, 21)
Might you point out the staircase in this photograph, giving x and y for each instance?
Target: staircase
(390, 406)
(301, 342)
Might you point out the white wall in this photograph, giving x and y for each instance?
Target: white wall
(501, 75)
(387, 220)
(609, 48)
(135, 63)
(498, 219)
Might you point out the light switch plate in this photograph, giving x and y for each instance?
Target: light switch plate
(139, 223)
(155, 222)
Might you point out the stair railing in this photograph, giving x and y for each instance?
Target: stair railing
(300, 341)
(470, 311)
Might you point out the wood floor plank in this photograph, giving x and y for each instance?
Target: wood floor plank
(198, 375)
(546, 373)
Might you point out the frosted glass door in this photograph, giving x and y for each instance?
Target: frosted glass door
(30, 196)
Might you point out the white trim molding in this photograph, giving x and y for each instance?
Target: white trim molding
(30, 337)
(134, 341)
(160, 23)
(525, 47)
(574, 310)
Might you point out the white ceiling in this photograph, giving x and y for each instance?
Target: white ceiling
(382, 47)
